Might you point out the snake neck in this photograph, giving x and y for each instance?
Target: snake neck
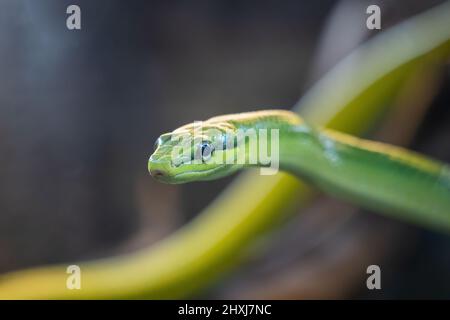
(293, 146)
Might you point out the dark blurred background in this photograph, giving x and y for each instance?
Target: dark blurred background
(80, 111)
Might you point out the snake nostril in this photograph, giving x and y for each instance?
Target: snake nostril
(156, 173)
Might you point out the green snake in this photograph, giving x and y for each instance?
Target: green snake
(373, 175)
(352, 97)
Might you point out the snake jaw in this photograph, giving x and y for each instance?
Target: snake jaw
(157, 167)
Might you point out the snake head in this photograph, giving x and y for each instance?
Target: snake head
(194, 152)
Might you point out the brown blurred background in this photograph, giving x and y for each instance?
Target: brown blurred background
(80, 111)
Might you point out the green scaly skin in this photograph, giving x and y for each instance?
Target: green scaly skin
(373, 175)
(352, 97)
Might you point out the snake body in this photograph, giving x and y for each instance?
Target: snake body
(373, 175)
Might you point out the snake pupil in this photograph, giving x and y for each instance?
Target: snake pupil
(206, 150)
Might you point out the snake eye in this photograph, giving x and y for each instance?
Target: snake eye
(206, 149)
